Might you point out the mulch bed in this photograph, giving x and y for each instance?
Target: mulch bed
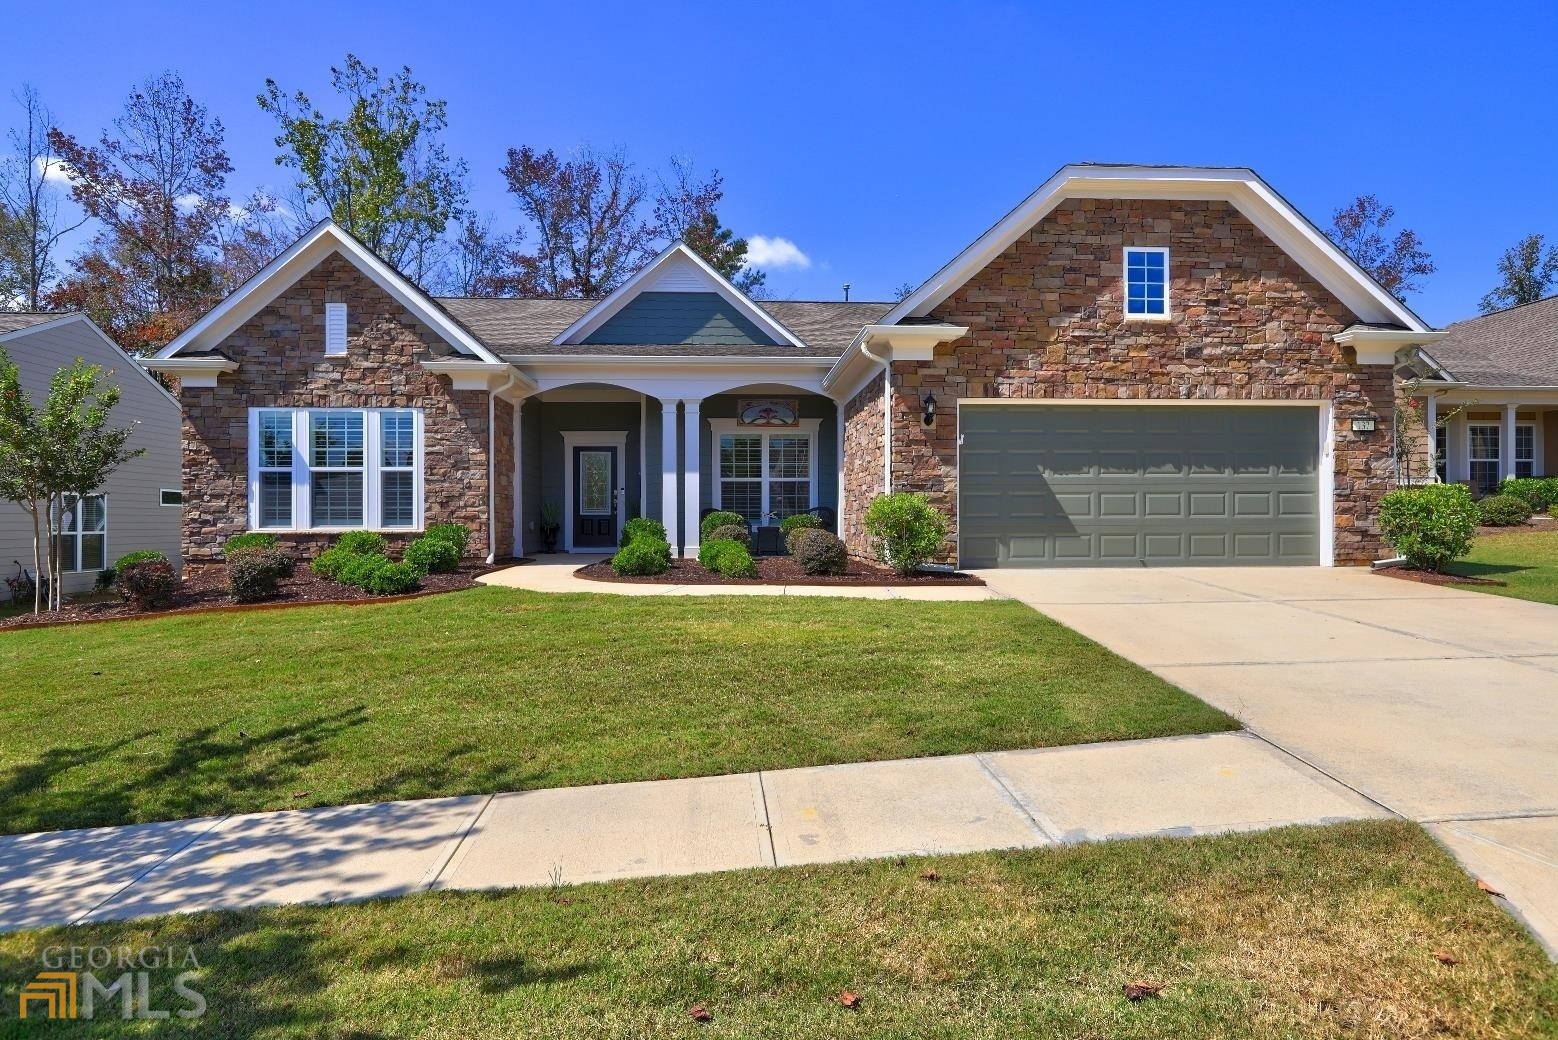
(1430, 578)
(1536, 524)
(204, 587)
(779, 570)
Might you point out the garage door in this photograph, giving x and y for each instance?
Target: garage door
(1079, 485)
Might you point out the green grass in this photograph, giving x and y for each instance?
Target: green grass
(497, 689)
(1302, 932)
(1526, 562)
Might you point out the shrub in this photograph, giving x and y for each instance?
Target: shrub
(1429, 525)
(728, 558)
(105, 579)
(797, 522)
(457, 535)
(139, 556)
(362, 543)
(253, 574)
(432, 555)
(249, 540)
(392, 579)
(148, 584)
(732, 533)
(328, 564)
(818, 552)
(642, 556)
(357, 569)
(709, 551)
(1503, 511)
(643, 527)
(718, 518)
(907, 530)
(1537, 492)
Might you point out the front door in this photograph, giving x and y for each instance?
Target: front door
(594, 498)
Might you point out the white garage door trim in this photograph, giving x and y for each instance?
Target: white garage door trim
(1325, 466)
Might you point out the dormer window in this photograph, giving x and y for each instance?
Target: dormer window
(1146, 283)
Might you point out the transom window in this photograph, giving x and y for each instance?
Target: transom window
(1146, 282)
(360, 468)
(82, 542)
(766, 476)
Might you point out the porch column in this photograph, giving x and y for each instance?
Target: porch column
(668, 512)
(519, 478)
(1506, 444)
(692, 488)
(1431, 420)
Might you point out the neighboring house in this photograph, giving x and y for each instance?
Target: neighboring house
(1489, 391)
(1137, 365)
(139, 506)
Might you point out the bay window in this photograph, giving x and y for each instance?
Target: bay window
(322, 469)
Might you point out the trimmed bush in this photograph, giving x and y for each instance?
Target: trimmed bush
(358, 568)
(392, 579)
(147, 585)
(129, 559)
(457, 535)
(719, 518)
(641, 557)
(432, 555)
(1503, 511)
(1429, 525)
(362, 543)
(643, 527)
(254, 574)
(732, 533)
(906, 530)
(818, 552)
(798, 522)
(249, 540)
(726, 557)
(328, 564)
(1537, 492)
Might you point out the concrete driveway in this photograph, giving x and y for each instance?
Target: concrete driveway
(1440, 704)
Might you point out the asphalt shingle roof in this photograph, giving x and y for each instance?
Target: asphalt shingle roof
(1517, 347)
(14, 321)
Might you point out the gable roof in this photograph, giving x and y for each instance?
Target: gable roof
(676, 269)
(1514, 347)
(15, 321)
(1243, 188)
(298, 259)
(17, 331)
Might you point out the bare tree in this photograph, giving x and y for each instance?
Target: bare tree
(30, 206)
(1399, 264)
(480, 261)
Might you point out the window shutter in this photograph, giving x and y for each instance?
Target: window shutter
(335, 328)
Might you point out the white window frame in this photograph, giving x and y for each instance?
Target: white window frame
(1125, 284)
(73, 565)
(1529, 459)
(162, 497)
(1442, 453)
(807, 428)
(372, 469)
(335, 329)
(1497, 459)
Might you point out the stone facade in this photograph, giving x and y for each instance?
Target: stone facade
(283, 364)
(1046, 321)
(862, 463)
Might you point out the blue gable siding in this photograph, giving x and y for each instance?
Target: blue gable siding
(680, 317)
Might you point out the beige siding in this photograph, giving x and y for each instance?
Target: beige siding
(136, 519)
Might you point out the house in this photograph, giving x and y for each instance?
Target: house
(139, 507)
(1489, 392)
(1137, 365)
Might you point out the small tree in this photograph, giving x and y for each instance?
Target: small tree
(1528, 272)
(906, 529)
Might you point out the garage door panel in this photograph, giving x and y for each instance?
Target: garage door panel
(1076, 485)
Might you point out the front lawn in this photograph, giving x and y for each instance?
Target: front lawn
(1302, 932)
(498, 689)
(1527, 562)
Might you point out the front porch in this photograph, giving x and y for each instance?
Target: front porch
(1483, 436)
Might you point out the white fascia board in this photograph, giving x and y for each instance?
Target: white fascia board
(480, 375)
(1242, 188)
(192, 371)
(298, 259)
(603, 311)
(899, 343)
(1379, 346)
(608, 363)
(78, 316)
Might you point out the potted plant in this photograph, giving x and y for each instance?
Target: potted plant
(551, 525)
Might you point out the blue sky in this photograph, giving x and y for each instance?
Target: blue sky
(879, 140)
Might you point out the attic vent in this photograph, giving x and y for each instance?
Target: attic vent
(335, 328)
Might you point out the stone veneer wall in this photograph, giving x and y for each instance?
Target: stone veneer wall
(503, 482)
(1248, 323)
(283, 364)
(862, 463)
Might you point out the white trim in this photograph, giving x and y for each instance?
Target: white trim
(1382, 346)
(1497, 426)
(692, 464)
(1125, 284)
(675, 253)
(297, 260)
(162, 500)
(898, 342)
(335, 329)
(643, 454)
(1253, 197)
(480, 375)
(78, 534)
(719, 427)
(592, 439)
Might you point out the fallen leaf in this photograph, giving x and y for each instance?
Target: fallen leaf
(930, 875)
(1139, 990)
(300, 794)
(1447, 958)
(1489, 889)
(849, 998)
(700, 1013)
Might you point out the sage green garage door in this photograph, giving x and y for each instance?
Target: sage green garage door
(1132, 485)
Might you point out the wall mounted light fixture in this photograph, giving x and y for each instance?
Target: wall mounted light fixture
(929, 415)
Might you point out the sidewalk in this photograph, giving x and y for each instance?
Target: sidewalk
(554, 573)
(824, 814)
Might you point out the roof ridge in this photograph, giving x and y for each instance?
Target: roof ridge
(1506, 310)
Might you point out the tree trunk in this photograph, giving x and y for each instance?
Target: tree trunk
(37, 558)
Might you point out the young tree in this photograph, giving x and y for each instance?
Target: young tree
(64, 449)
(1399, 263)
(1529, 273)
(381, 171)
(30, 221)
(164, 251)
(685, 212)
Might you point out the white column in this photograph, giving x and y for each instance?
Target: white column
(692, 493)
(1431, 420)
(668, 512)
(519, 479)
(1506, 444)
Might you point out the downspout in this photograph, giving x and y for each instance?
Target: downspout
(887, 413)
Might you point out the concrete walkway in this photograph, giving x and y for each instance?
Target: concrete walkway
(964, 803)
(554, 573)
(1438, 703)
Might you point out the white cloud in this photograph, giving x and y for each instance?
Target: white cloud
(188, 201)
(54, 170)
(763, 251)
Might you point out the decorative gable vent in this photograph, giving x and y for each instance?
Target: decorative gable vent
(335, 328)
(676, 277)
